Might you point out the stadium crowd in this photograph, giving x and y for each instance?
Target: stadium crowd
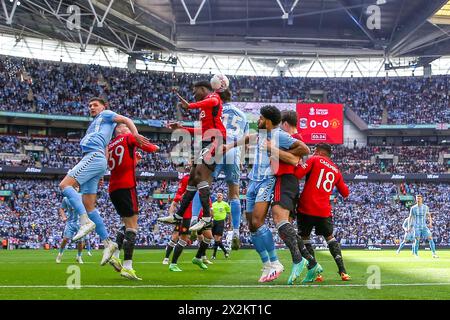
(65, 153)
(373, 214)
(59, 88)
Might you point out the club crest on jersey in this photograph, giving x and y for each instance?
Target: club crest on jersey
(202, 114)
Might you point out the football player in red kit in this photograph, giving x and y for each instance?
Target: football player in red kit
(122, 161)
(314, 208)
(213, 134)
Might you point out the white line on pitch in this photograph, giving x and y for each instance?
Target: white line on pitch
(229, 286)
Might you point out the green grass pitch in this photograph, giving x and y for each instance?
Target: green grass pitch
(33, 274)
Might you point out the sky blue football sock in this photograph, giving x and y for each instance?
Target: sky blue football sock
(100, 228)
(235, 205)
(88, 244)
(75, 200)
(416, 246)
(269, 244)
(401, 246)
(432, 246)
(259, 246)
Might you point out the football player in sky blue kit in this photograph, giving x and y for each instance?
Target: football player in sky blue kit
(89, 171)
(235, 122)
(418, 224)
(260, 189)
(408, 237)
(69, 216)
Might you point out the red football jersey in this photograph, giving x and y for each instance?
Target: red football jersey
(210, 116)
(122, 161)
(321, 177)
(283, 167)
(182, 185)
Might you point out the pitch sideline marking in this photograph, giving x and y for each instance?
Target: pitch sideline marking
(228, 286)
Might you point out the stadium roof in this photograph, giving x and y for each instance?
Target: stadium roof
(244, 27)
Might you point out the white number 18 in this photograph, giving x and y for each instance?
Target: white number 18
(328, 183)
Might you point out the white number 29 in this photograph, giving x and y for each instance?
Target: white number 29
(118, 151)
(328, 183)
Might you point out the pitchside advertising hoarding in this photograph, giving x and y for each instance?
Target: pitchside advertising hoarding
(321, 122)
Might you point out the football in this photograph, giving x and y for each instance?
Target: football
(219, 82)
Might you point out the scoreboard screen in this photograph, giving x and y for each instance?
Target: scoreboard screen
(321, 122)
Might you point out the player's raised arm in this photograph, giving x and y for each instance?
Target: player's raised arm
(206, 103)
(134, 131)
(245, 140)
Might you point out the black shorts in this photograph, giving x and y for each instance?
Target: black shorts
(125, 202)
(323, 226)
(286, 192)
(207, 155)
(218, 227)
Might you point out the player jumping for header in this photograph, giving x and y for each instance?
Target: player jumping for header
(88, 172)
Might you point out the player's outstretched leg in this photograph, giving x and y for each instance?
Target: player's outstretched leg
(289, 236)
(335, 250)
(128, 248)
(115, 259)
(75, 200)
(100, 229)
